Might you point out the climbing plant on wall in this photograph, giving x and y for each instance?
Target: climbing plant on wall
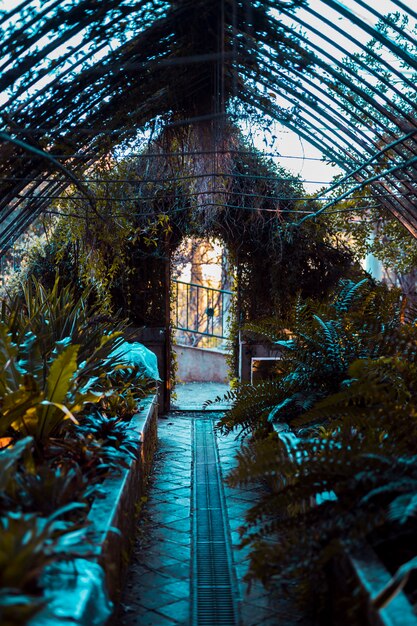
(147, 204)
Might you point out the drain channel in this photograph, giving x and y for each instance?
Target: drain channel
(214, 600)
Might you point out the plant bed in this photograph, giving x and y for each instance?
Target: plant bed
(81, 592)
(339, 517)
(360, 577)
(72, 448)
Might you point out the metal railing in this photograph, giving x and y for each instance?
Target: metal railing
(200, 313)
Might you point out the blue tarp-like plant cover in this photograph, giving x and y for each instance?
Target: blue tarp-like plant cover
(136, 354)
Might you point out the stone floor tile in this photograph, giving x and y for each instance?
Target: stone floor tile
(252, 615)
(156, 562)
(163, 551)
(236, 524)
(178, 519)
(171, 517)
(180, 473)
(177, 572)
(164, 507)
(178, 500)
(161, 496)
(155, 598)
(175, 538)
(237, 510)
(193, 395)
(158, 591)
(180, 463)
(236, 538)
(171, 551)
(168, 485)
(178, 611)
(243, 499)
(153, 580)
(151, 618)
(181, 589)
(180, 525)
(256, 592)
(174, 494)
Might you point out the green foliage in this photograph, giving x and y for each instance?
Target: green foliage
(376, 387)
(326, 493)
(97, 238)
(61, 431)
(123, 254)
(40, 411)
(44, 488)
(41, 320)
(9, 458)
(318, 346)
(113, 435)
(17, 608)
(363, 221)
(28, 544)
(59, 357)
(372, 230)
(347, 382)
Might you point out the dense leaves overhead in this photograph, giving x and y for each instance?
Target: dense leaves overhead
(170, 65)
(80, 77)
(131, 62)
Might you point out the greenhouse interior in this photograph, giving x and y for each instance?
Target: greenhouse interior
(208, 331)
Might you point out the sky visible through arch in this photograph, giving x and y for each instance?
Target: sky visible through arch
(308, 163)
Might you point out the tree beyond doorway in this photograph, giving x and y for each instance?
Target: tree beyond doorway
(202, 284)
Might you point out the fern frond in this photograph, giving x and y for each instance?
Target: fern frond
(404, 507)
(229, 396)
(348, 294)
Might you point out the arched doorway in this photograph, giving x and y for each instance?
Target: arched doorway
(202, 280)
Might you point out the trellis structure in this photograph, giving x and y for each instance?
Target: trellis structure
(80, 77)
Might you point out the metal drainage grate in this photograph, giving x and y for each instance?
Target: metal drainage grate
(214, 602)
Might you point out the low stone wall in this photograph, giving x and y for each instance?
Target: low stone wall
(82, 592)
(122, 502)
(197, 365)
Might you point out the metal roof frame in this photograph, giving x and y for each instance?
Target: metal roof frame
(358, 120)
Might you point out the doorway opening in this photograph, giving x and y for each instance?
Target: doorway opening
(201, 296)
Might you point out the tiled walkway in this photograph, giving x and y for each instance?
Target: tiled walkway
(162, 577)
(190, 396)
